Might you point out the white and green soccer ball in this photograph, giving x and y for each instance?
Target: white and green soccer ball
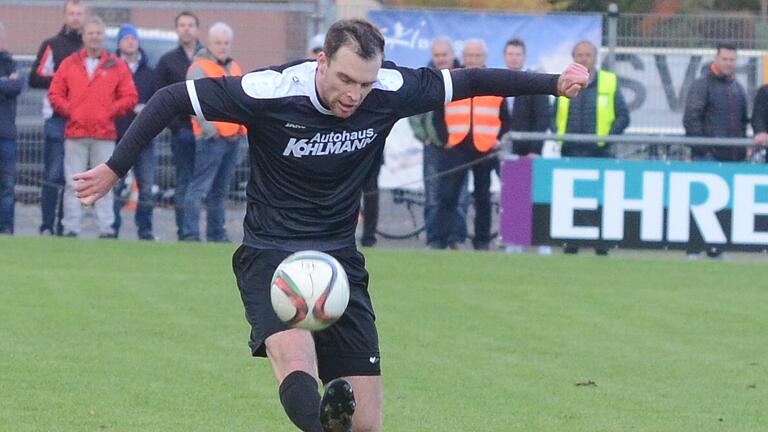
(309, 290)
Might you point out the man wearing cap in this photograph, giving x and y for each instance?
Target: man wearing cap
(129, 50)
(90, 90)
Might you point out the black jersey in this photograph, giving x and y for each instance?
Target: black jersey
(308, 166)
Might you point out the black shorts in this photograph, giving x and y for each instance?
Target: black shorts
(349, 347)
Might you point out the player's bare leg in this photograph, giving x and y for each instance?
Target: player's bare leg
(292, 354)
(367, 389)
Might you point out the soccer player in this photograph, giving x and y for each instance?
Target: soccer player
(315, 129)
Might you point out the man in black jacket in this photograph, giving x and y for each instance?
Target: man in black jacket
(10, 87)
(129, 50)
(717, 107)
(760, 117)
(172, 68)
(50, 55)
(529, 113)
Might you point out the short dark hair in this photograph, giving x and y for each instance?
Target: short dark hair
(186, 14)
(359, 35)
(725, 46)
(74, 3)
(515, 42)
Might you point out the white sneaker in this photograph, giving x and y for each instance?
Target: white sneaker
(514, 249)
(545, 250)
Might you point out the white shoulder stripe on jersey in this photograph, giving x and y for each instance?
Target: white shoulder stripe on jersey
(389, 80)
(193, 98)
(298, 80)
(448, 85)
(270, 84)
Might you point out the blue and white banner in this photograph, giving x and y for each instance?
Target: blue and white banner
(645, 204)
(549, 39)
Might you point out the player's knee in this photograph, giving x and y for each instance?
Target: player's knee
(287, 358)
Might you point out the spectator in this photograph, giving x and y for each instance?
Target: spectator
(430, 129)
(760, 117)
(528, 113)
(90, 89)
(10, 87)
(171, 68)
(50, 55)
(315, 45)
(129, 49)
(598, 109)
(473, 128)
(370, 209)
(217, 145)
(717, 107)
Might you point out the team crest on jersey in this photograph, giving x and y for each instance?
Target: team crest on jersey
(329, 143)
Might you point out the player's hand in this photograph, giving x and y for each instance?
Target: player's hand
(761, 139)
(574, 78)
(94, 184)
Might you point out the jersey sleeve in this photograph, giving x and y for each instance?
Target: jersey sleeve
(413, 91)
(223, 99)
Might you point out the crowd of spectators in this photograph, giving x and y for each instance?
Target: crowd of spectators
(95, 91)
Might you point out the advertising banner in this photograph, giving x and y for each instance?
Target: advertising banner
(634, 204)
(549, 38)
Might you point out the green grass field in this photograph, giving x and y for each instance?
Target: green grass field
(127, 336)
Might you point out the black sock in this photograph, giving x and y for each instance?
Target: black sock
(301, 401)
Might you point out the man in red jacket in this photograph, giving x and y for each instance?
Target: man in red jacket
(90, 89)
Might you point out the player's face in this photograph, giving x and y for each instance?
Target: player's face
(129, 45)
(473, 55)
(585, 55)
(442, 56)
(725, 61)
(514, 57)
(74, 15)
(93, 37)
(344, 81)
(186, 29)
(220, 45)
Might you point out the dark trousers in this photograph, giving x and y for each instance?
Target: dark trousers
(457, 230)
(712, 252)
(584, 150)
(144, 171)
(52, 192)
(215, 163)
(449, 192)
(7, 184)
(183, 148)
(371, 206)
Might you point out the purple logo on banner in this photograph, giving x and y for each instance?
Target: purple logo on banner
(516, 225)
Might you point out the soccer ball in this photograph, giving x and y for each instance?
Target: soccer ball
(309, 290)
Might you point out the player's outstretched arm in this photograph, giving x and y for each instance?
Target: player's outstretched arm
(161, 109)
(502, 82)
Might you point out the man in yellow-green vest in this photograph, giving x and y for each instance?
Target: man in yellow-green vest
(598, 109)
